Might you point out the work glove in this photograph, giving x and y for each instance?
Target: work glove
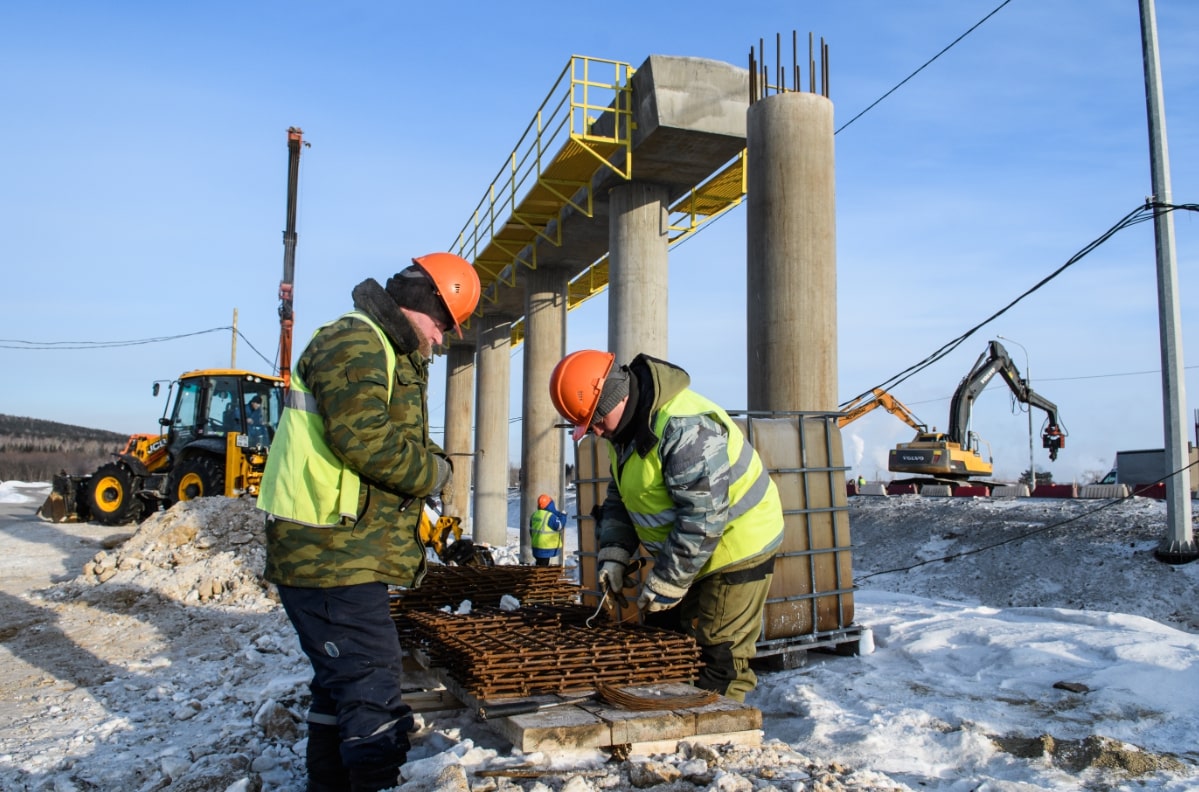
(444, 483)
(658, 595)
(611, 576)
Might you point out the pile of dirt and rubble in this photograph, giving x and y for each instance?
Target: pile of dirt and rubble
(205, 550)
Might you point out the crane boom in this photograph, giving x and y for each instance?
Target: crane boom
(295, 139)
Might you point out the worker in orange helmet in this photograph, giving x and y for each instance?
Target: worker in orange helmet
(688, 488)
(545, 530)
(351, 454)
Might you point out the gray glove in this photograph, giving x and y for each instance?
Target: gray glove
(611, 576)
(444, 483)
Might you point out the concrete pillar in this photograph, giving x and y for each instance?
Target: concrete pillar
(638, 239)
(541, 444)
(791, 274)
(459, 403)
(491, 431)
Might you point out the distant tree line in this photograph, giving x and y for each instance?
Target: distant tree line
(35, 450)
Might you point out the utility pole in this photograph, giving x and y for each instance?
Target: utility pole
(1178, 546)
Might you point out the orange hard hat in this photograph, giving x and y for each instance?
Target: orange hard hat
(543, 501)
(576, 384)
(456, 283)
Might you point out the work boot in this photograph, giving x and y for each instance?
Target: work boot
(326, 773)
(375, 779)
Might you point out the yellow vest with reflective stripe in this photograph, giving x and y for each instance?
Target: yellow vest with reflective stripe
(755, 510)
(542, 535)
(304, 481)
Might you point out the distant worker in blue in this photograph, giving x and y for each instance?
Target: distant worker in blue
(545, 530)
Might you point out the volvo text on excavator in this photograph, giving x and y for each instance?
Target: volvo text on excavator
(956, 456)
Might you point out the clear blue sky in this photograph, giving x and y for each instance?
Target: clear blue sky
(145, 161)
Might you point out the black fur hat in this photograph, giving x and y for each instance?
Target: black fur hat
(411, 288)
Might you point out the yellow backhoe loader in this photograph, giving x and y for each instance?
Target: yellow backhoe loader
(214, 442)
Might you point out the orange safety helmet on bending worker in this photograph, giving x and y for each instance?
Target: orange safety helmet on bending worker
(456, 282)
(576, 384)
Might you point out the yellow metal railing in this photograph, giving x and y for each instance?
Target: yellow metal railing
(719, 193)
(583, 126)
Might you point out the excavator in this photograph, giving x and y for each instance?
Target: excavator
(879, 398)
(955, 457)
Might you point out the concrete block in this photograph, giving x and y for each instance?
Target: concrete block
(936, 491)
(1010, 491)
(1103, 491)
(1056, 491)
(972, 491)
(875, 488)
(1156, 491)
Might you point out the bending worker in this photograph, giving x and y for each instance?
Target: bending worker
(688, 487)
(545, 530)
(351, 463)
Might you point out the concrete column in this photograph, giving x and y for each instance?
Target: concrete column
(791, 274)
(638, 270)
(491, 431)
(541, 444)
(459, 404)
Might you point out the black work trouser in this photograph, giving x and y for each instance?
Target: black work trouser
(349, 637)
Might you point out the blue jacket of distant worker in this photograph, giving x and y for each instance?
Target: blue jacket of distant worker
(545, 531)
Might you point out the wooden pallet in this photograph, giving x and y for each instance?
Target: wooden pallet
(596, 724)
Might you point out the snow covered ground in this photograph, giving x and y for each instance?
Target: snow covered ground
(1061, 657)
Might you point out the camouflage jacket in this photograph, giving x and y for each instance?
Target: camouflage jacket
(695, 469)
(385, 441)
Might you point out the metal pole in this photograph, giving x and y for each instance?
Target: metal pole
(1178, 546)
(1032, 468)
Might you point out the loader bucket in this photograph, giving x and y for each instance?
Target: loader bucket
(67, 501)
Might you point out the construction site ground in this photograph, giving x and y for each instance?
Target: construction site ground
(38, 554)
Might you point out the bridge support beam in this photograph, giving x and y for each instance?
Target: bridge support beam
(491, 430)
(791, 286)
(638, 239)
(459, 410)
(541, 444)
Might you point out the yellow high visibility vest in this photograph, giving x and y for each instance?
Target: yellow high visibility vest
(755, 510)
(304, 481)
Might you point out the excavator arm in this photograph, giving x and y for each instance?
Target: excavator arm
(879, 398)
(997, 361)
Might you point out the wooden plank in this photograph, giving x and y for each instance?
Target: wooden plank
(750, 737)
(559, 728)
(600, 725)
(632, 726)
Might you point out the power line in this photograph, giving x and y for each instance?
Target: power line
(948, 47)
(64, 346)
(1139, 215)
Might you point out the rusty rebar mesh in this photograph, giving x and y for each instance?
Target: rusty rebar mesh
(484, 587)
(547, 649)
(448, 586)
